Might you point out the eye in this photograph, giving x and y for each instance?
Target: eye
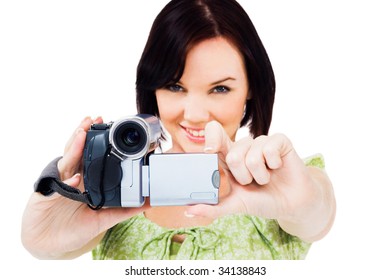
(174, 88)
(221, 89)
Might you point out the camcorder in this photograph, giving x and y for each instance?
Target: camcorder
(121, 168)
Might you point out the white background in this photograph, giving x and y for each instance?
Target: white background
(63, 60)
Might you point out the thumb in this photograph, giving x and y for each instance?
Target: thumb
(73, 181)
(205, 211)
(224, 207)
(216, 139)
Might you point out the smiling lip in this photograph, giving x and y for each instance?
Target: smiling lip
(194, 134)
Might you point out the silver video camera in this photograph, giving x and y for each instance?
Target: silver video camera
(121, 168)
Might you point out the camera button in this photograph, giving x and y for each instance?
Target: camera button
(215, 179)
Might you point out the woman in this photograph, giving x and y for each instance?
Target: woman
(205, 73)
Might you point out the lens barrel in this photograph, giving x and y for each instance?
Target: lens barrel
(135, 136)
(130, 138)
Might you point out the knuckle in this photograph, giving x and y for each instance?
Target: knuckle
(252, 162)
(246, 180)
(261, 138)
(270, 151)
(242, 176)
(263, 179)
(233, 159)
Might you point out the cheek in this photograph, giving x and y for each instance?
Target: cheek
(227, 114)
(231, 109)
(168, 109)
(230, 116)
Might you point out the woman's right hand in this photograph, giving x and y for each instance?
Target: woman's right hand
(56, 227)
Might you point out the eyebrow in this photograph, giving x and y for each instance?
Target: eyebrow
(222, 81)
(216, 82)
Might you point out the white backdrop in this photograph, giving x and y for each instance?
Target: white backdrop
(63, 60)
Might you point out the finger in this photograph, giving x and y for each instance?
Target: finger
(235, 160)
(216, 139)
(266, 154)
(73, 181)
(208, 211)
(277, 147)
(98, 120)
(70, 162)
(85, 124)
(255, 161)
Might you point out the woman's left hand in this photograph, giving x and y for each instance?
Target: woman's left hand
(268, 179)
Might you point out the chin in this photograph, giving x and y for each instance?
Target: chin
(189, 148)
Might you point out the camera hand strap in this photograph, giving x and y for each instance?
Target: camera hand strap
(50, 182)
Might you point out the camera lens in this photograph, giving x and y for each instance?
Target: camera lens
(130, 138)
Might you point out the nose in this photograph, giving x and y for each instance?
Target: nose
(195, 109)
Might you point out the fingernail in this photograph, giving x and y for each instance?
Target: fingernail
(188, 215)
(96, 119)
(208, 149)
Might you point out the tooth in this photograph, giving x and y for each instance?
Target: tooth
(196, 133)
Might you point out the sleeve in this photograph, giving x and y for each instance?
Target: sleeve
(316, 160)
(282, 245)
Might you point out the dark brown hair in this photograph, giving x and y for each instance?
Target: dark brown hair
(184, 23)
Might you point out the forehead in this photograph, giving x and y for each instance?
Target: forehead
(214, 57)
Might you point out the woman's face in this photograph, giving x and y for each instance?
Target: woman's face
(213, 87)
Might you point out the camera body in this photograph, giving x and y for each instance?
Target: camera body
(121, 170)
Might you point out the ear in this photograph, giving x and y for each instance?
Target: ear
(243, 113)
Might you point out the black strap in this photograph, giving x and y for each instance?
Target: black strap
(50, 182)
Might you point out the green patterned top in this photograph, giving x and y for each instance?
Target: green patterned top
(236, 236)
